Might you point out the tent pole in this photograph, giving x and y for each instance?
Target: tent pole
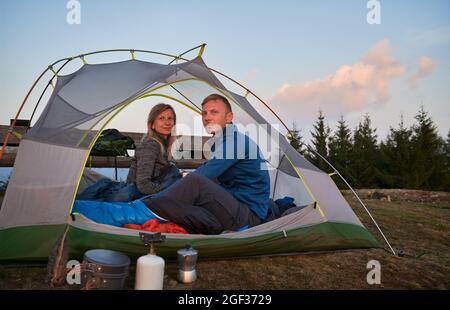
(357, 197)
(11, 128)
(55, 73)
(132, 51)
(68, 59)
(201, 46)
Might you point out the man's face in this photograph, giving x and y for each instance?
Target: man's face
(215, 116)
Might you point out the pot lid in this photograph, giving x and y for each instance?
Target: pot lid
(187, 251)
(107, 257)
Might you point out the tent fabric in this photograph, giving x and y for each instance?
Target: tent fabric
(89, 177)
(42, 185)
(334, 206)
(52, 156)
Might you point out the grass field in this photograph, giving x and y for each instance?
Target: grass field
(418, 223)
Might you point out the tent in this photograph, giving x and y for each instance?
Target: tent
(36, 209)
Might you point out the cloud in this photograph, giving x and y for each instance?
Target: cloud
(425, 68)
(432, 37)
(351, 87)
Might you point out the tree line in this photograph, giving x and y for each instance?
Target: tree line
(411, 158)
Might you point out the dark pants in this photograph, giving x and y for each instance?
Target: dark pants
(201, 206)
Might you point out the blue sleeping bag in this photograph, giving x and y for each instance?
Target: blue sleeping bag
(115, 213)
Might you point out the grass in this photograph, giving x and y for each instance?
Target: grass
(420, 229)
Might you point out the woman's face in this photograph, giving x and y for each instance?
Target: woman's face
(164, 122)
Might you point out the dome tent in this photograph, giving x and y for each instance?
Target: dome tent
(36, 209)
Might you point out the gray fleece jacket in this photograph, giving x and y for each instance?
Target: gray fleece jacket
(147, 165)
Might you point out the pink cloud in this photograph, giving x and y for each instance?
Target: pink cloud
(425, 68)
(350, 87)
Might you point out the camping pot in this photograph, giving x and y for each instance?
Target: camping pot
(187, 258)
(104, 270)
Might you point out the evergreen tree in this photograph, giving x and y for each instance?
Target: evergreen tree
(319, 141)
(340, 148)
(295, 139)
(395, 157)
(429, 168)
(364, 155)
(446, 186)
(447, 145)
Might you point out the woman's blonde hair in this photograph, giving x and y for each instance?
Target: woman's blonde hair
(152, 134)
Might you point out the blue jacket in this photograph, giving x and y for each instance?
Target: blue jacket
(238, 165)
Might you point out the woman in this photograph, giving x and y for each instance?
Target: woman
(151, 168)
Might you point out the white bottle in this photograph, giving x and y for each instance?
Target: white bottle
(149, 272)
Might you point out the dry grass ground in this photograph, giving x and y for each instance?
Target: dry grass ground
(415, 222)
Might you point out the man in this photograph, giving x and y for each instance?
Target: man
(239, 200)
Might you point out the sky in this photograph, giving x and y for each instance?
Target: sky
(298, 56)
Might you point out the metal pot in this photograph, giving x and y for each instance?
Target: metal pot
(187, 259)
(104, 270)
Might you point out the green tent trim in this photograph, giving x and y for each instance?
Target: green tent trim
(319, 237)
